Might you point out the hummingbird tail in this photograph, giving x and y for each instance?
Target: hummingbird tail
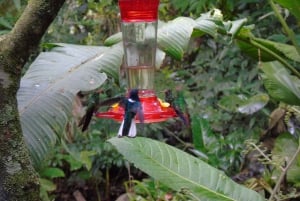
(121, 129)
(131, 132)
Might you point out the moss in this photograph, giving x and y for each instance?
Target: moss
(28, 183)
(19, 181)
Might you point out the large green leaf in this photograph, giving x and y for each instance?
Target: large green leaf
(280, 84)
(205, 25)
(113, 39)
(252, 51)
(269, 50)
(292, 5)
(49, 86)
(174, 36)
(51, 172)
(182, 171)
(281, 49)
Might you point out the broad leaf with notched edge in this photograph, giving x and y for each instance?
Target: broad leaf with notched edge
(49, 86)
(181, 171)
(280, 84)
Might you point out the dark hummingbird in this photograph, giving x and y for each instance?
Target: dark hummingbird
(132, 106)
(93, 105)
(179, 105)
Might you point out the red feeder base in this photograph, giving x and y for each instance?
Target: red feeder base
(154, 110)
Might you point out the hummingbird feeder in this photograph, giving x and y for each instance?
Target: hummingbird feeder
(139, 32)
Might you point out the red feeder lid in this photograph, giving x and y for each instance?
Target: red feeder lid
(154, 111)
(138, 10)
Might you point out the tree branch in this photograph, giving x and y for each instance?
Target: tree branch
(19, 181)
(25, 37)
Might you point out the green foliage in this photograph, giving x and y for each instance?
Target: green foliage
(223, 152)
(151, 190)
(103, 154)
(242, 104)
(181, 36)
(52, 172)
(80, 158)
(179, 170)
(292, 6)
(223, 94)
(9, 13)
(61, 81)
(286, 145)
(280, 84)
(85, 22)
(230, 8)
(203, 135)
(45, 187)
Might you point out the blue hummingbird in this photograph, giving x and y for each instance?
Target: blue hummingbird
(132, 106)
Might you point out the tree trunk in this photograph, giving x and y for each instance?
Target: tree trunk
(18, 179)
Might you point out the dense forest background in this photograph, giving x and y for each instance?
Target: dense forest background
(237, 123)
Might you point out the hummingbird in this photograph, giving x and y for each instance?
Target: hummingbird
(93, 106)
(179, 105)
(132, 106)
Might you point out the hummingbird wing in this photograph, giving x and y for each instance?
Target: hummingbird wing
(138, 110)
(94, 106)
(93, 102)
(111, 101)
(86, 119)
